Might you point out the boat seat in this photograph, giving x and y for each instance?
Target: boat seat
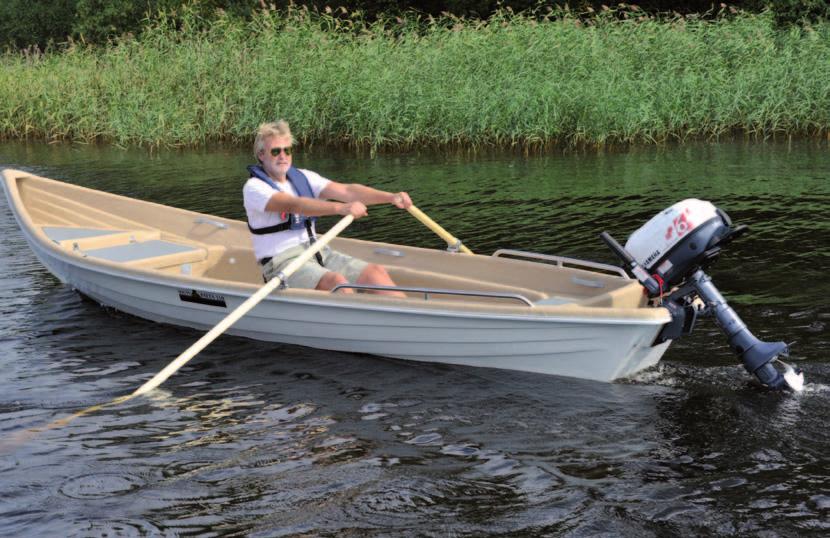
(155, 254)
(142, 250)
(85, 239)
(67, 233)
(136, 248)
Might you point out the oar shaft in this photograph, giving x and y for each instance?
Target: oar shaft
(199, 345)
(242, 309)
(435, 227)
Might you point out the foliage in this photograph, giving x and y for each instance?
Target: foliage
(510, 80)
(25, 23)
(35, 22)
(39, 23)
(795, 11)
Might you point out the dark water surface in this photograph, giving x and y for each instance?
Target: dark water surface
(270, 440)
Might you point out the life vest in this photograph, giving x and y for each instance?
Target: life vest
(301, 187)
(294, 222)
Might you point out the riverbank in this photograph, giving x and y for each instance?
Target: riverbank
(510, 81)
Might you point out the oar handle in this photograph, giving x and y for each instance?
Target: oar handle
(242, 309)
(435, 227)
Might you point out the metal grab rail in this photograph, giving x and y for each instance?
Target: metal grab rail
(437, 291)
(562, 260)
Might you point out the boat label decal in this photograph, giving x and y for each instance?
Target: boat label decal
(202, 297)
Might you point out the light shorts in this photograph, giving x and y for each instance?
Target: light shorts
(310, 273)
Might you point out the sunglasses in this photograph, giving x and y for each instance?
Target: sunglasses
(277, 151)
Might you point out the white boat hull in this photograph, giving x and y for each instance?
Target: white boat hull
(532, 339)
(588, 349)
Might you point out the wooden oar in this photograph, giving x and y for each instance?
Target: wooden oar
(452, 241)
(205, 340)
(242, 309)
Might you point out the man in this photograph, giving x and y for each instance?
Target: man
(282, 202)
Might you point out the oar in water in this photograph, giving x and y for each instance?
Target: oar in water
(451, 240)
(209, 337)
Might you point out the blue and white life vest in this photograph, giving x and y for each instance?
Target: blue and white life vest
(301, 186)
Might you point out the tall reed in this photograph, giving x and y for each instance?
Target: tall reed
(507, 81)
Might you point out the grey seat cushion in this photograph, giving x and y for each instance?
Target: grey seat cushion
(62, 233)
(139, 251)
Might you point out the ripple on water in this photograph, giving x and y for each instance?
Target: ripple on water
(821, 502)
(592, 470)
(274, 445)
(101, 485)
(768, 460)
(181, 469)
(7, 462)
(461, 450)
(727, 483)
(433, 438)
(403, 499)
(116, 527)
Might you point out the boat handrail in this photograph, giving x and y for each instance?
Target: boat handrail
(437, 291)
(562, 260)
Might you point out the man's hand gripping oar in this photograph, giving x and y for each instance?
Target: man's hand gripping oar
(202, 342)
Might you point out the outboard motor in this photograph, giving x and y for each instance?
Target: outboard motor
(668, 255)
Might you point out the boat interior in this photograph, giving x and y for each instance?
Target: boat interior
(109, 229)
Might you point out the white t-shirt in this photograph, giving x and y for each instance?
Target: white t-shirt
(255, 196)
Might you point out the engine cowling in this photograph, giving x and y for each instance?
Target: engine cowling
(681, 239)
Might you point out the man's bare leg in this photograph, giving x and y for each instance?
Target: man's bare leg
(332, 279)
(373, 275)
(376, 275)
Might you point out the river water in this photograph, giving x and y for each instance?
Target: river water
(274, 440)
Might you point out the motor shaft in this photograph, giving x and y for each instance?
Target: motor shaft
(756, 355)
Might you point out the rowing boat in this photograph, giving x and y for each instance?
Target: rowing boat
(513, 309)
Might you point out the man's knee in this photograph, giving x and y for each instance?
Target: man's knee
(374, 274)
(377, 270)
(377, 275)
(332, 279)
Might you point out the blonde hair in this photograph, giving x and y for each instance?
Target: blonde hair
(268, 130)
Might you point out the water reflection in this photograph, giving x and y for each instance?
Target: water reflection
(264, 439)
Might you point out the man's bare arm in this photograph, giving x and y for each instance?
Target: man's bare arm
(351, 192)
(281, 202)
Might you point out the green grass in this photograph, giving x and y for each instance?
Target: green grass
(510, 81)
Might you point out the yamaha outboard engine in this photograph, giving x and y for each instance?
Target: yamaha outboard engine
(668, 255)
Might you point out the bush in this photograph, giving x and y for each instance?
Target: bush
(795, 11)
(510, 81)
(24, 23)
